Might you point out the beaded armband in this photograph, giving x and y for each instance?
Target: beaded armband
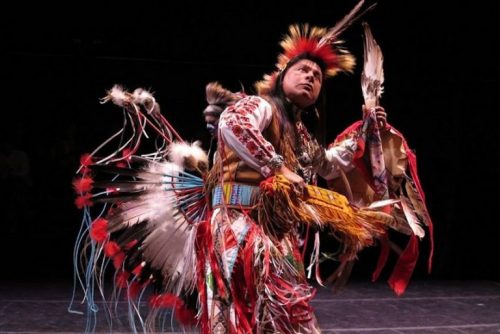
(275, 162)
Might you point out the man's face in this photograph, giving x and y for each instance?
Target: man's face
(212, 122)
(302, 83)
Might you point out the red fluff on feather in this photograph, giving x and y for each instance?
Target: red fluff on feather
(86, 160)
(127, 153)
(82, 184)
(310, 46)
(134, 289)
(111, 249)
(137, 270)
(184, 315)
(118, 260)
(83, 201)
(131, 244)
(99, 230)
(167, 300)
(121, 279)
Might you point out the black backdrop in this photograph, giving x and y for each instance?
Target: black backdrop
(441, 81)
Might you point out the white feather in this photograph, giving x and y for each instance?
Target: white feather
(156, 202)
(372, 78)
(412, 219)
(164, 168)
(417, 201)
(170, 248)
(169, 245)
(380, 204)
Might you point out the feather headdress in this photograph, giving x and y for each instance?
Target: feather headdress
(320, 44)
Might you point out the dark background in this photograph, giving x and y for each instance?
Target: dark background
(441, 83)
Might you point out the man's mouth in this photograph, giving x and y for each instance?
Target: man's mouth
(307, 87)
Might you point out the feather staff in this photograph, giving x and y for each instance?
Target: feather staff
(372, 78)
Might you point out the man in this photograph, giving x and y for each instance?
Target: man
(255, 279)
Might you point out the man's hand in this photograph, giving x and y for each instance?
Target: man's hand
(380, 115)
(298, 183)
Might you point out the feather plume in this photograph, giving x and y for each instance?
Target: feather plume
(143, 97)
(117, 95)
(372, 78)
(216, 94)
(188, 156)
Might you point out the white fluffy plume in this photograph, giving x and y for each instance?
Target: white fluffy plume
(372, 78)
(179, 153)
(117, 95)
(143, 97)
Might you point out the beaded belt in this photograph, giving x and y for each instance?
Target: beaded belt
(235, 195)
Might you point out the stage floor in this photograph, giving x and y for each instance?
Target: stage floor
(361, 307)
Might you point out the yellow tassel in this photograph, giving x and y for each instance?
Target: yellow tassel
(355, 228)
